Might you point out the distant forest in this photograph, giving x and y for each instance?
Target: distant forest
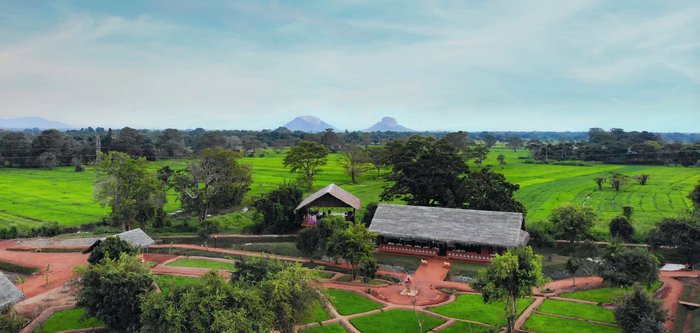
(51, 148)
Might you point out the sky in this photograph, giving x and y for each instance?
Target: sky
(433, 65)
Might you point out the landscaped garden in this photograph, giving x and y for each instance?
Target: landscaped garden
(462, 327)
(318, 313)
(472, 307)
(579, 310)
(202, 263)
(65, 320)
(404, 321)
(166, 282)
(349, 303)
(549, 324)
(605, 295)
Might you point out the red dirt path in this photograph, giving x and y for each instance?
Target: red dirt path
(60, 269)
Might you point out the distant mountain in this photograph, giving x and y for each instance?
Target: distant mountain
(388, 124)
(309, 124)
(32, 122)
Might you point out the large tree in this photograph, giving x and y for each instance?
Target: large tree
(682, 234)
(126, 185)
(510, 276)
(487, 190)
(110, 249)
(276, 209)
(352, 245)
(626, 266)
(112, 292)
(355, 162)
(214, 182)
(306, 158)
(637, 312)
(695, 197)
(621, 228)
(572, 223)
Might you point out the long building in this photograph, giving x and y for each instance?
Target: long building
(462, 234)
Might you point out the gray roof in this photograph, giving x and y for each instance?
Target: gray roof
(9, 294)
(136, 238)
(331, 196)
(452, 225)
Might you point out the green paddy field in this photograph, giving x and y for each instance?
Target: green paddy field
(30, 197)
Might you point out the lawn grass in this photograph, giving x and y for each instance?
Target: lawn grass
(605, 295)
(32, 197)
(395, 321)
(348, 302)
(472, 307)
(65, 320)
(464, 327)
(578, 310)
(549, 324)
(202, 263)
(331, 328)
(318, 313)
(167, 282)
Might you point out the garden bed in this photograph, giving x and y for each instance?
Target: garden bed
(395, 321)
(472, 307)
(349, 303)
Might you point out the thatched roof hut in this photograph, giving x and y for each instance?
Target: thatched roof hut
(9, 294)
(331, 196)
(450, 225)
(135, 237)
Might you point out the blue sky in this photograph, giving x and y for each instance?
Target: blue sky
(449, 65)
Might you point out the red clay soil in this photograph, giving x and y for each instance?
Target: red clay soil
(672, 292)
(60, 269)
(567, 285)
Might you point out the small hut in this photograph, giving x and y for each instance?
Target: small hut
(331, 196)
(9, 294)
(135, 237)
(462, 234)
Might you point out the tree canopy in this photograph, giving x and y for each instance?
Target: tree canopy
(510, 276)
(621, 228)
(637, 312)
(624, 266)
(110, 249)
(306, 158)
(276, 209)
(572, 223)
(682, 234)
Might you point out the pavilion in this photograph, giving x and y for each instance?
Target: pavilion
(462, 234)
(331, 196)
(9, 294)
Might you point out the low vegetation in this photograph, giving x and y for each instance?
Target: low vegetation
(472, 307)
(605, 295)
(578, 310)
(396, 321)
(65, 320)
(349, 303)
(330, 328)
(550, 324)
(202, 263)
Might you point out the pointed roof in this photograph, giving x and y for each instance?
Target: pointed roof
(9, 294)
(136, 238)
(331, 196)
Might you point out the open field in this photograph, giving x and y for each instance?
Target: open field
(30, 197)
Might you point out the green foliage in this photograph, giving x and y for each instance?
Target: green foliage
(349, 303)
(209, 305)
(695, 196)
(572, 223)
(368, 268)
(111, 248)
(10, 267)
(129, 188)
(289, 294)
(636, 312)
(369, 213)
(112, 292)
(11, 323)
(624, 266)
(398, 320)
(352, 244)
(682, 234)
(355, 161)
(509, 277)
(606, 295)
(277, 209)
(212, 183)
(621, 228)
(65, 320)
(540, 236)
(253, 270)
(463, 326)
(306, 158)
(168, 282)
(330, 328)
(429, 172)
(308, 240)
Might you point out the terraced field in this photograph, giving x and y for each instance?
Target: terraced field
(30, 197)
